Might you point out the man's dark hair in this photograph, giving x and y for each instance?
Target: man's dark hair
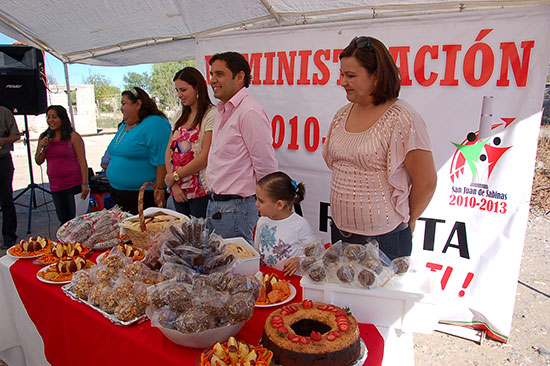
(236, 63)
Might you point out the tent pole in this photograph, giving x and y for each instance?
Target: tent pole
(69, 98)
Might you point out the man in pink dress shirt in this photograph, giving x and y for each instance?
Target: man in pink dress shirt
(241, 151)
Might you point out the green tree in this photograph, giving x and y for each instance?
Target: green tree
(132, 79)
(162, 86)
(106, 95)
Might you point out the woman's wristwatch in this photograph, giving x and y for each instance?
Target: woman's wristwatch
(176, 177)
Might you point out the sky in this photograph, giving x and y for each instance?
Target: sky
(79, 72)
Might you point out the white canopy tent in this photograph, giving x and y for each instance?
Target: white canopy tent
(125, 32)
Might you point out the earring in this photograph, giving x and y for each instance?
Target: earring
(197, 96)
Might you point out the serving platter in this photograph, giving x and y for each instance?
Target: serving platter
(68, 289)
(44, 270)
(10, 253)
(290, 297)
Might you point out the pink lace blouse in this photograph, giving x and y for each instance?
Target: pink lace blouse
(370, 186)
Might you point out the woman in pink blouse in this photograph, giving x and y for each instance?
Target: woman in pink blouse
(188, 148)
(383, 172)
(63, 149)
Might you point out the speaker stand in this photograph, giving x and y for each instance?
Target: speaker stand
(32, 186)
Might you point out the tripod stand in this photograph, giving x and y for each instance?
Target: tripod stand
(32, 186)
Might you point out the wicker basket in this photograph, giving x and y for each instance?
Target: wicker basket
(141, 235)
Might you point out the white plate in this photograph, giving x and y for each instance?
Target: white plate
(25, 257)
(51, 282)
(290, 297)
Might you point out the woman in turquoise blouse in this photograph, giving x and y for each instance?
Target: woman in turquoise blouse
(137, 152)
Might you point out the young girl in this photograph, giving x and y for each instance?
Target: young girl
(279, 231)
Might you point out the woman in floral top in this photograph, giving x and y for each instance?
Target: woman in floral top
(187, 151)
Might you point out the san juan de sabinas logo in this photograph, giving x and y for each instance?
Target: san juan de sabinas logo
(476, 159)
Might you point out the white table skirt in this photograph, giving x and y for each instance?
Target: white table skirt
(20, 342)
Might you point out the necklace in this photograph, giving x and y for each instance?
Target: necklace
(120, 137)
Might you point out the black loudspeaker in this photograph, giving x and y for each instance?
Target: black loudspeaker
(22, 79)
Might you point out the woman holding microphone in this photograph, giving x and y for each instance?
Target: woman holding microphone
(63, 149)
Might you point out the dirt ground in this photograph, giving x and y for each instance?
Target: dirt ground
(529, 341)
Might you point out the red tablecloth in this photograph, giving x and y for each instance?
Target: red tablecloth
(75, 334)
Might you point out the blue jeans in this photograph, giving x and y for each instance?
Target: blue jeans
(64, 203)
(395, 244)
(195, 207)
(233, 218)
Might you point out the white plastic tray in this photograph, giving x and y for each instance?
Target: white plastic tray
(245, 266)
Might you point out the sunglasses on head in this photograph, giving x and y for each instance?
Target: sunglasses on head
(363, 42)
(134, 92)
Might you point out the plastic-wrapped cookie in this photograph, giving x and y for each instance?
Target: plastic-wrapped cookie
(82, 287)
(307, 262)
(141, 296)
(240, 307)
(127, 310)
(195, 320)
(133, 270)
(240, 283)
(219, 280)
(366, 277)
(103, 273)
(214, 304)
(114, 262)
(402, 264)
(107, 301)
(165, 317)
(148, 277)
(95, 293)
(124, 289)
(345, 273)
(177, 297)
(372, 263)
(317, 272)
(354, 252)
(156, 298)
(314, 249)
(332, 254)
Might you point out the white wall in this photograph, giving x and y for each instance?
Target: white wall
(84, 117)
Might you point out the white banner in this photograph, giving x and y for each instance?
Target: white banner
(471, 236)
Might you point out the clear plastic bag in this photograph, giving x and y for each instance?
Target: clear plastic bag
(128, 309)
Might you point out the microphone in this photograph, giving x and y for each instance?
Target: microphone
(49, 134)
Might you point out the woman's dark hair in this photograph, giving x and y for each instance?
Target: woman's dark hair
(375, 58)
(280, 186)
(148, 105)
(66, 127)
(194, 78)
(236, 63)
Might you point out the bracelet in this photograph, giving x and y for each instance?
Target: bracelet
(159, 189)
(176, 176)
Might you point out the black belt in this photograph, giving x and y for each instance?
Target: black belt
(223, 197)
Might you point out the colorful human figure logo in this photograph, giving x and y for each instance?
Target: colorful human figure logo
(481, 150)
